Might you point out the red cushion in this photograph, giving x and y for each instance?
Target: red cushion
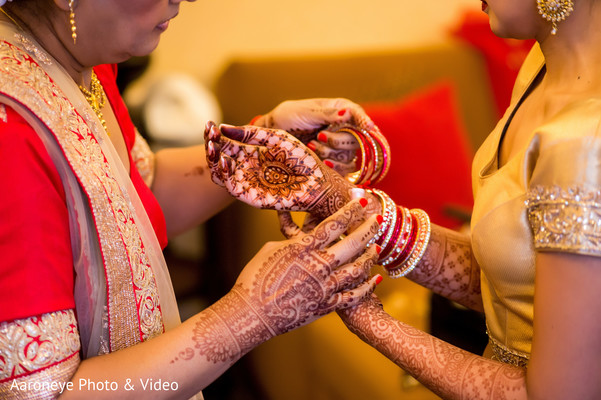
(431, 156)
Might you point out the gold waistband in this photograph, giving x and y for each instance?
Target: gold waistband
(507, 356)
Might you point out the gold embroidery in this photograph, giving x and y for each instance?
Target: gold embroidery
(132, 293)
(3, 115)
(507, 356)
(35, 343)
(566, 219)
(143, 158)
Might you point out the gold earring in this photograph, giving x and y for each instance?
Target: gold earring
(555, 11)
(72, 22)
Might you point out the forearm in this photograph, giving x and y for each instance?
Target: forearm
(185, 359)
(449, 268)
(450, 372)
(184, 188)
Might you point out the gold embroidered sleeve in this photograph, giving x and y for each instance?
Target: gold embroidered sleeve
(38, 355)
(143, 159)
(565, 219)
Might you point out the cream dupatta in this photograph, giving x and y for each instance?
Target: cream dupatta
(123, 291)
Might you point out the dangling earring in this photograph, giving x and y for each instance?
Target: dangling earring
(555, 11)
(72, 22)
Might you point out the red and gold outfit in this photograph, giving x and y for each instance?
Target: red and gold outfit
(82, 271)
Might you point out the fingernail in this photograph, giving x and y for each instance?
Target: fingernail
(232, 132)
(312, 146)
(210, 149)
(380, 219)
(329, 163)
(342, 112)
(363, 202)
(322, 137)
(378, 248)
(379, 279)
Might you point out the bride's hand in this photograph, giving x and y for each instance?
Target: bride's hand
(269, 168)
(294, 282)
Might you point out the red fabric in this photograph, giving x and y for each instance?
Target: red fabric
(503, 57)
(431, 159)
(36, 265)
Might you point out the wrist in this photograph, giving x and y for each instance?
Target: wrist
(243, 322)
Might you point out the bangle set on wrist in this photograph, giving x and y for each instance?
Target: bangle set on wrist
(374, 157)
(403, 236)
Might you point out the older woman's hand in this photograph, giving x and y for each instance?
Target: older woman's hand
(308, 120)
(268, 168)
(293, 282)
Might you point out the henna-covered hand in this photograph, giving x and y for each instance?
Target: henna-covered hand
(269, 168)
(308, 120)
(296, 281)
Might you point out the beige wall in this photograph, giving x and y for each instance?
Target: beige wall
(209, 32)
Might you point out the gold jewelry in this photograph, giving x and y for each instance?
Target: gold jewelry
(96, 99)
(72, 21)
(555, 11)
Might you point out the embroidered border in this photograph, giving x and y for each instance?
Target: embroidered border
(134, 309)
(505, 355)
(35, 343)
(567, 219)
(143, 158)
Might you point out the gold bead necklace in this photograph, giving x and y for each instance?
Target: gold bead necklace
(96, 99)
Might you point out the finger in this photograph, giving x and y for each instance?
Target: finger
(324, 151)
(338, 140)
(342, 168)
(352, 274)
(356, 241)
(287, 225)
(332, 227)
(208, 126)
(311, 221)
(212, 156)
(255, 135)
(352, 297)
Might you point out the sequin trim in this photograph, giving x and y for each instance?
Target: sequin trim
(32, 344)
(132, 294)
(565, 219)
(505, 355)
(143, 159)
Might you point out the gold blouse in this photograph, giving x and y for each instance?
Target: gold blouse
(547, 197)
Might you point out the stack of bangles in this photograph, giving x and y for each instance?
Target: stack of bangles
(403, 236)
(374, 157)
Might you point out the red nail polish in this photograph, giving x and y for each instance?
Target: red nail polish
(379, 279)
(322, 137)
(380, 219)
(378, 249)
(342, 112)
(363, 202)
(329, 163)
(312, 146)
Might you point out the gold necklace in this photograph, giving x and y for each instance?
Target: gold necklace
(96, 99)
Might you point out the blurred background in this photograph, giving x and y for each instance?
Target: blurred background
(433, 78)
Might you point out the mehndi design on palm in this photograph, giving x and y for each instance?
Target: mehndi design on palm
(269, 168)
